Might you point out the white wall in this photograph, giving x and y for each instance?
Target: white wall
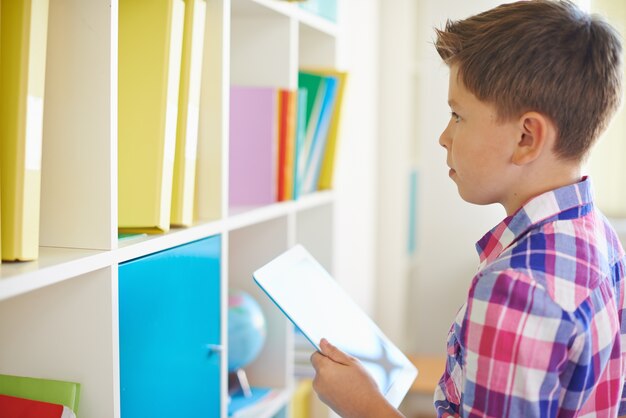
(355, 212)
(417, 297)
(448, 226)
(355, 178)
(396, 157)
(395, 108)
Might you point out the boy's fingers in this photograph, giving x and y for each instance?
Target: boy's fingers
(333, 352)
(316, 359)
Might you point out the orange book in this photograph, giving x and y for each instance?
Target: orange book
(287, 101)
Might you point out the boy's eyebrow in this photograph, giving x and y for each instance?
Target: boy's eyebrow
(452, 103)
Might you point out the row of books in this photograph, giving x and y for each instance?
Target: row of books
(161, 48)
(28, 397)
(159, 81)
(160, 66)
(283, 142)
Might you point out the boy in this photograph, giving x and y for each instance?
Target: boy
(532, 85)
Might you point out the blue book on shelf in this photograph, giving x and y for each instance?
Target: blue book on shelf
(300, 134)
(318, 145)
(239, 403)
(315, 84)
(323, 8)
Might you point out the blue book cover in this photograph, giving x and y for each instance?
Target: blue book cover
(316, 93)
(300, 134)
(238, 402)
(320, 138)
(323, 8)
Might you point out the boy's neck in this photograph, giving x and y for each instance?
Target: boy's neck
(538, 182)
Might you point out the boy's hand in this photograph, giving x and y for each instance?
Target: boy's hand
(342, 383)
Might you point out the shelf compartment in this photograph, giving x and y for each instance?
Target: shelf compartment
(66, 332)
(261, 8)
(54, 265)
(314, 230)
(250, 248)
(314, 22)
(263, 45)
(144, 244)
(268, 407)
(241, 217)
(317, 49)
(267, 8)
(79, 149)
(210, 192)
(58, 264)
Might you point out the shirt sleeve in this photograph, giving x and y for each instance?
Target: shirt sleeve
(447, 399)
(515, 339)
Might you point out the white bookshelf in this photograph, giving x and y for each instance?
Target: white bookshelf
(59, 314)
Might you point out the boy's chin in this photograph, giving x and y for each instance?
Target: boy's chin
(475, 198)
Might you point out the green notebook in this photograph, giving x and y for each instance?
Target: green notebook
(45, 390)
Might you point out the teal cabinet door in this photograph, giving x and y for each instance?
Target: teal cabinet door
(169, 320)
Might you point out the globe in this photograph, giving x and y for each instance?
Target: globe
(246, 329)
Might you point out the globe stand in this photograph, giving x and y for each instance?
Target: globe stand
(238, 381)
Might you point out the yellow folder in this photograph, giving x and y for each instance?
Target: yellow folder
(150, 47)
(24, 29)
(183, 187)
(300, 405)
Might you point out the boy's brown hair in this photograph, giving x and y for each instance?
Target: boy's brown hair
(545, 56)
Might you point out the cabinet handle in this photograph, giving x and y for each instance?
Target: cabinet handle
(215, 349)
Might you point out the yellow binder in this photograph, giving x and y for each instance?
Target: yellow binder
(183, 186)
(300, 405)
(150, 46)
(24, 29)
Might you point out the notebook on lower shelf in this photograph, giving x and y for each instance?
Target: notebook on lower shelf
(240, 405)
(11, 406)
(42, 390)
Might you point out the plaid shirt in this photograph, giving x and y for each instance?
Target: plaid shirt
(540, 334)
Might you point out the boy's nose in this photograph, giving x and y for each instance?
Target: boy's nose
(444, 138)
(441, 141)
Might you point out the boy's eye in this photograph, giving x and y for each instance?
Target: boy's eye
(455, 116)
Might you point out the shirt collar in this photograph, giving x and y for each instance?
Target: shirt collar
(536, 211)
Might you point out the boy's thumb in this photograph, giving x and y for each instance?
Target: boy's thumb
(333, 352)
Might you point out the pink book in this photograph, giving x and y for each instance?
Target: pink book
(12, 407)
(253, 146)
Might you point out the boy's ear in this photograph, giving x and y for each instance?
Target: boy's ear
(536, 137)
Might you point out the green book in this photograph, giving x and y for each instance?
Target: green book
(315, 85)
(44, 390)
(316, 88)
